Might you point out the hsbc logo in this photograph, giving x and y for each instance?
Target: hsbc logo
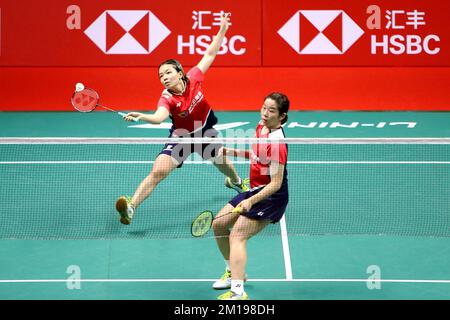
(320, 32)
(127, 32)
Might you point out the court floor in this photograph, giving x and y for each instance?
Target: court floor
(136, 264)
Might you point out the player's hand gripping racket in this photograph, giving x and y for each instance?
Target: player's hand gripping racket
(87, 99)
(201, 225)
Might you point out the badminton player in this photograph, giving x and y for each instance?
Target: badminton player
(264, 203)
(183, 100)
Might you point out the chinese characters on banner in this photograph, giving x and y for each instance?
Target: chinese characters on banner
(410, 43)
(206, 20)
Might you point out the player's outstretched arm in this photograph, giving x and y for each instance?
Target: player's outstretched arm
(159, 116)
(214, 47)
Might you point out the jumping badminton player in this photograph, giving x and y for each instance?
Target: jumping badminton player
(264, 203)
(183, 100)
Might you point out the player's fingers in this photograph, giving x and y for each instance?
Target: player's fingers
(226, 16)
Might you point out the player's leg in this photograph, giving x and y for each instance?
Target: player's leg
(243, 229)
(226, 167)
(162, 167)
(221, 227)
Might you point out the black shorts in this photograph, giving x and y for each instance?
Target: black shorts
(180, 152)
(272, 208)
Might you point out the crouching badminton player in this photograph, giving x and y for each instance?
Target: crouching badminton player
(264, 203)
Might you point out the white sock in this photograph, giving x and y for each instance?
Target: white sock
(130, 210)
(237, 286)
(227, 262)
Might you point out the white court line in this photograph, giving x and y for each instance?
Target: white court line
(286, 252)
(212, 280)
(209, 163)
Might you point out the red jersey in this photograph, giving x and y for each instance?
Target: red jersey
(190, 110)
(266, 153)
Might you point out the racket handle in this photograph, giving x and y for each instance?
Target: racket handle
(124, 114)
(237, 210)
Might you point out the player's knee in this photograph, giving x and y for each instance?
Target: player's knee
(220, 228)
(239, 235)
(217, 225)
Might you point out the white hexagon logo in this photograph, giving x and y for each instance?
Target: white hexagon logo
(320, 32)
(127, 32)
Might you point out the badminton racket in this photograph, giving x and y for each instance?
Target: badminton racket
(87, 99)
(203, 222)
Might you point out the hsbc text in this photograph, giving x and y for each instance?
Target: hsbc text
(199, 44)
(409, 44)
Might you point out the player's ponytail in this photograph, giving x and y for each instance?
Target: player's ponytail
(282, 103)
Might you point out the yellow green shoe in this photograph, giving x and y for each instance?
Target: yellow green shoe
(125, 209)
(242, 187)
(230, 295)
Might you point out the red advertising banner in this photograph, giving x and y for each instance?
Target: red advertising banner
(356, 33)
(262, 32)
(325, 54)
(126, 33)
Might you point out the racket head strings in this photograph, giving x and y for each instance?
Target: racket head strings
(85, 100)
(202, 224)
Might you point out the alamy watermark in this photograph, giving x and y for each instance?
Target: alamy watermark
(73, 281)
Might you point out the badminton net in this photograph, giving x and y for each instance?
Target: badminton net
(66, 188)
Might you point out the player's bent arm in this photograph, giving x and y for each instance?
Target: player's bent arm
(276, 179)
(159, 116)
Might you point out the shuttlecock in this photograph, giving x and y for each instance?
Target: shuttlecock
(79, 87)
